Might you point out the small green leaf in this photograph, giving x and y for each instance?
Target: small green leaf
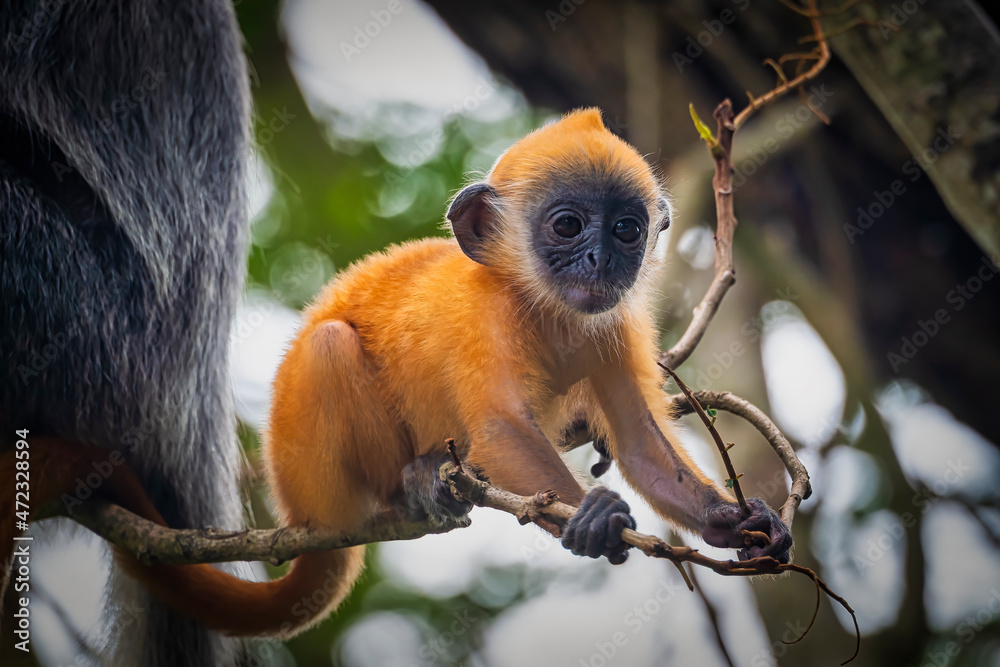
(710, 411)
(703, 130)
(730, 446)
(729, 483)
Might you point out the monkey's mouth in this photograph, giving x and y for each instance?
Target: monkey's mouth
(592, 298)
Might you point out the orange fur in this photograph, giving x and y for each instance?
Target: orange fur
(418, 344)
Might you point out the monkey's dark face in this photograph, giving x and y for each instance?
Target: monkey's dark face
(591, 242)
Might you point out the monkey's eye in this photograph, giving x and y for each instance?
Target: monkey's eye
(627, 230)
(567, 226)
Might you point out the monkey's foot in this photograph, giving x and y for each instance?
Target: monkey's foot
(726, 527)
(429, 498)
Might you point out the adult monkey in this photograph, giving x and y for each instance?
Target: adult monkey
(124, 134)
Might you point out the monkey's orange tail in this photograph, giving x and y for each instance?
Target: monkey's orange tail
(315, 585)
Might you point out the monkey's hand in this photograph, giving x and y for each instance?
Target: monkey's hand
(725, 525)
(596, 528)
(428, 497)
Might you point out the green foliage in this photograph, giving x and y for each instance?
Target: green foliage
(335, 201)
(703, 130)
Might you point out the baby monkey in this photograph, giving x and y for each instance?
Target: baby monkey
(532, 321)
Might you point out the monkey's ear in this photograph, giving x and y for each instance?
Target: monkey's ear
(665, 212)
(473, 219)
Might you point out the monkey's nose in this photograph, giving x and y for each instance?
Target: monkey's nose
(598, 259)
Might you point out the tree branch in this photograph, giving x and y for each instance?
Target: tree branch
(720, 147)
(713, 619)
(154, 544)
(724, 400)
(734, 479)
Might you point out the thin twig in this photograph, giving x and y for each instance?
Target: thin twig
(823, 49)
(723, 400)
(812, 107)
(722, 183)
(841, 29)
(734, 479)
(713, 619)
(812, 621)
(792, 57)
(816, 13)
(725, 273)
(777, 70)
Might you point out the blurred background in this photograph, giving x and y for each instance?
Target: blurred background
(866, 319)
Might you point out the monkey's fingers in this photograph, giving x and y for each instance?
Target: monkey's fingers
(755, 538)
(596, 529)
(618, 558)
(764, 533)
(585, 530)
(600, 532)
(615, 549)
(574, 534)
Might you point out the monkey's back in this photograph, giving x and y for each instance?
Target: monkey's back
(418, 308)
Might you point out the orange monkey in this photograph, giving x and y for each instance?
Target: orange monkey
(533, 320)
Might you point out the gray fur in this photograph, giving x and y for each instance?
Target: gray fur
(123, 145)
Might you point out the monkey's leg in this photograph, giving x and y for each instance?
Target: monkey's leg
(579, 433)
(428, 497)
(332, 450)
(369, 444)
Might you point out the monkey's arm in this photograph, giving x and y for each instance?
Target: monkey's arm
(511, 450)
(663, 474)
(517, 457)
